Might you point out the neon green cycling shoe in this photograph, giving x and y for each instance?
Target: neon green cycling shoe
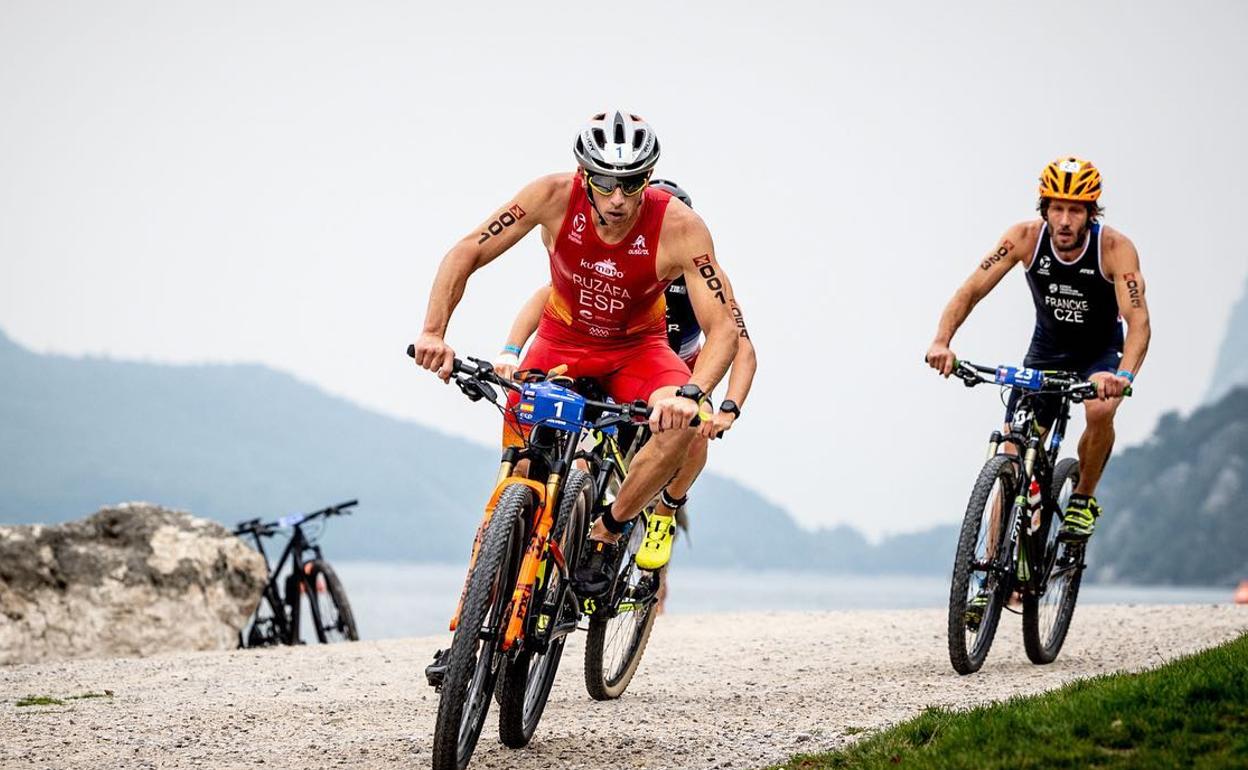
(975, 610)
(656, 550)
(1079, 520)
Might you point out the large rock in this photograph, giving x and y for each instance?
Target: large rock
(135, 579)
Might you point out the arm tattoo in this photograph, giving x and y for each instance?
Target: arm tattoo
(739, 318)
(505, 220)
(1133, 289)
(1002, 251)
(706, 269)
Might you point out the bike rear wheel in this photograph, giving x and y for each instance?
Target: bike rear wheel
(1046, 618)
(620, 628)
(337, 621)
(527, 680)
(980, 565)
(476, 656)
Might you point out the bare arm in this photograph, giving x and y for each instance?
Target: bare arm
(533, 205)
(740, 376)
(1124, 261)
(528, 318)
(745, 364)
(709, 292)
(987, 275)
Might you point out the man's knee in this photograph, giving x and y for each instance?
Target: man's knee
(675, 441)
(1100, 414)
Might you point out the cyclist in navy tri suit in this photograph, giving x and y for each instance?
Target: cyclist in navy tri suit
(1085, 281)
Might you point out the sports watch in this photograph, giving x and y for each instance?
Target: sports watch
(730, 406)
(691, 392)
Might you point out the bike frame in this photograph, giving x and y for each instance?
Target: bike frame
(1023, 556)
(553, 452)
(298, 582)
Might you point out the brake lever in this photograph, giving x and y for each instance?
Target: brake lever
(470, 387)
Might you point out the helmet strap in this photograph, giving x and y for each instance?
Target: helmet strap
(602, 222)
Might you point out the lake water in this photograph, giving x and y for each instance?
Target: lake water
(401, 599)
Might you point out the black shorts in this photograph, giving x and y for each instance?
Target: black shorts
(1046, 406)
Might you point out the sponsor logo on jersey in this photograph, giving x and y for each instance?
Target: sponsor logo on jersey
(578, 223)
(639, 247)
(603, 267)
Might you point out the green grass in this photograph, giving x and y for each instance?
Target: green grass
(40, 700)
(48, 700)
(1192, 712)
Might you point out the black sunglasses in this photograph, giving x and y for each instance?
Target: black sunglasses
(605, 185)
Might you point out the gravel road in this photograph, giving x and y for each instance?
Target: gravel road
(714, 691)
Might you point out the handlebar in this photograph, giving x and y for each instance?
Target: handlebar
(265, 529)
(475, 376)
(1054, 383)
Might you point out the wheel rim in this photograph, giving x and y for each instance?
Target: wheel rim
(480, 687)
(1062, 569)
(992, 522)
(332, 625)
(624, 628)
(536, 685)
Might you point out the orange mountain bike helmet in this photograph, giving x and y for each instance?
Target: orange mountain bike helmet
(1070, 179)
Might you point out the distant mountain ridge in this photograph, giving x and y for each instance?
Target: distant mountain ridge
(1177, 505)
(230, 442)
(1231, 370)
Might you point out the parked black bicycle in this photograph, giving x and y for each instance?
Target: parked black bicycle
(519, 601)
(310, 578)
(1009, 540)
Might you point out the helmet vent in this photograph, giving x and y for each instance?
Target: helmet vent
(600, 137)
(619, 132)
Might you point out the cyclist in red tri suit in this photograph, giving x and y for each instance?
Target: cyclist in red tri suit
(684, 336)
(614, 244)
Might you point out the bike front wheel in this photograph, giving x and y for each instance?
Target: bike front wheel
(528, 678)
(333, 617)
(981, 577)
(1046, 618)
(619, 629)
(476, 650)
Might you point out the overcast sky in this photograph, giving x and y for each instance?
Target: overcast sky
(276, 182)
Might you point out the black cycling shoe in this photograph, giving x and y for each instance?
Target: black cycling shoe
(593, 576)
(435, 672)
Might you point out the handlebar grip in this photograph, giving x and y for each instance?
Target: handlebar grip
(411, 351)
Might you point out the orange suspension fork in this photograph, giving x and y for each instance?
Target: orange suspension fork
(533, 556)
(504, 481)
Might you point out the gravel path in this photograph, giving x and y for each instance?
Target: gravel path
(714, 691)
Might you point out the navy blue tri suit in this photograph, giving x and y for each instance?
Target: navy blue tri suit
(1078, 328)
(684, 334)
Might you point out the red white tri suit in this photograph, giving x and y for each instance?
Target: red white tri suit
(605, 317)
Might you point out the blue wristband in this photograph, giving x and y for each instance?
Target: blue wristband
(514, 349)
(1124, 373)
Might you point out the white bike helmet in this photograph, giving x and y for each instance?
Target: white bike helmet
(617, 143)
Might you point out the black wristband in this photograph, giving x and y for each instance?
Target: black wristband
(612, 526)
(691, 392)
(730, 406)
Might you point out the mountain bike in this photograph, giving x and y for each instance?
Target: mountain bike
(277, 617)
(1009, 538)
(519, 601)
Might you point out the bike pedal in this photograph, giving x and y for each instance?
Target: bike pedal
(435, 672)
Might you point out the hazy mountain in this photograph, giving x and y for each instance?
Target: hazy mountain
(232, 442)
(1231, 370)
(1177, 506)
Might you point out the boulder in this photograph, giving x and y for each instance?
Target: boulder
(135, 579)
